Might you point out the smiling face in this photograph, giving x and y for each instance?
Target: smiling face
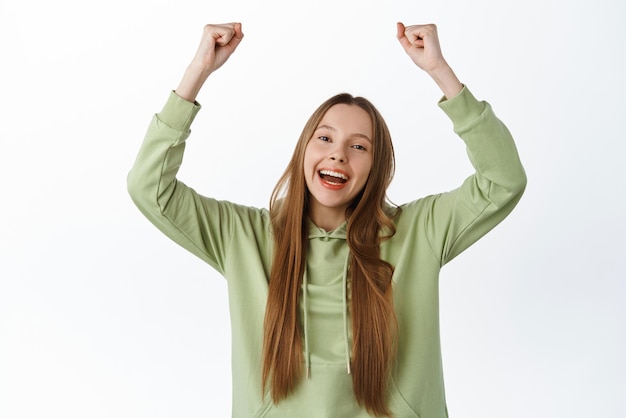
(337, 163)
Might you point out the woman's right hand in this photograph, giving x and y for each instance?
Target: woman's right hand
(216, 46)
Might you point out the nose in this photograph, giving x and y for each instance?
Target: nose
(338, 155)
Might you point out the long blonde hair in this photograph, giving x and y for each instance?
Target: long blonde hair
(373, 317)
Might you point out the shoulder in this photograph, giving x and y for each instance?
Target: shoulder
(410, 210)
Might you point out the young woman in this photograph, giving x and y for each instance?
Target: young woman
(333, 292)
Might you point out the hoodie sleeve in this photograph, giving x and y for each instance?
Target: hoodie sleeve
(199, 224)
(456, 219)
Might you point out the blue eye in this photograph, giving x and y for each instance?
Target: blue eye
(324, 138)
(359, 147)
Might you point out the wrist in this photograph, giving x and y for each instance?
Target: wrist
(192, 82)
(198, 70)
(447, 81)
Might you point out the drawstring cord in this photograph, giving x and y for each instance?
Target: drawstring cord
(307, 356)
(345, 315)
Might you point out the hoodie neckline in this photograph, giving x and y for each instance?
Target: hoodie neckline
(317, 232)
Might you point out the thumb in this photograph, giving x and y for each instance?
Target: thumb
(238, 31)
(400, 30)
(237, 35)
(401, 35)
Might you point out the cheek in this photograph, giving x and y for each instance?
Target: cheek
(308, 168)
(307, 164)
(363, 175)
(365, 168)
(311, 157)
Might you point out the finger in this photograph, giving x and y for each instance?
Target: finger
(414, 35)
(222, 34)
(420, 34)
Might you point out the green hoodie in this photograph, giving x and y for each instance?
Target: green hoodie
(236, 241)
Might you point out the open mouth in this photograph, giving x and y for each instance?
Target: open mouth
(333, 177)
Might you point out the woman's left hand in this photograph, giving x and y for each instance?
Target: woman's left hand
(421, 43)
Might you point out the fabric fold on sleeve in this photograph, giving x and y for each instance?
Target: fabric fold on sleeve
(178, 113)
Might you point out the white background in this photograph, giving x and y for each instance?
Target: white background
(102, 316)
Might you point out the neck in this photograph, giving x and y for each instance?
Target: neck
(327, 218)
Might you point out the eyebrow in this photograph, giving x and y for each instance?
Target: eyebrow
(335, 130)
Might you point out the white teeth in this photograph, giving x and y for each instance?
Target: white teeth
(334, 174)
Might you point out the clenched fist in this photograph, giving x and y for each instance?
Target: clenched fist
(217, 44)
(421, 43)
